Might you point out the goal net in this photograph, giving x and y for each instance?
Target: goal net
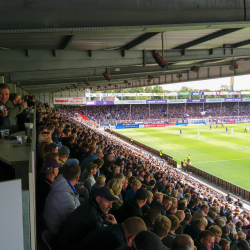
(198, 121)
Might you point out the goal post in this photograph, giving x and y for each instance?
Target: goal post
(198, 121)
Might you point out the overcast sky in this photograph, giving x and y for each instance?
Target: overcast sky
(240, 83)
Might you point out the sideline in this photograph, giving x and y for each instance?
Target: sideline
(222, 160)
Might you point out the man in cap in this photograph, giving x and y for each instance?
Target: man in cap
(49, 171)
(86, 218)
(113, 236)
(132, 207)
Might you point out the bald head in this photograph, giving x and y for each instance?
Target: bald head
(183, 242)
(180, 214)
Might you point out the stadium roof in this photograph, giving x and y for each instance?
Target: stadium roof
(46, 45)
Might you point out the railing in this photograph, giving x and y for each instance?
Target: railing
(230, 187)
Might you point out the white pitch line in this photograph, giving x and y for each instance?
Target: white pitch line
(223, 160)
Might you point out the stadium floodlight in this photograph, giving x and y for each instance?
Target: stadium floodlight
(233, 67)
(106, 76)
(159, 60)
(195, 69)
(62, 89)
(67, 88)
(74, 86)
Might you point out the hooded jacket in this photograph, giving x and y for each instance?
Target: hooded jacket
(60, 202)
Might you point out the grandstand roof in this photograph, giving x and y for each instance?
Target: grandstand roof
(54, 44)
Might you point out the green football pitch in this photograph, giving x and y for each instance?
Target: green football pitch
(225, 155)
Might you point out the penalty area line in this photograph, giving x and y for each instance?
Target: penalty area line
(222, 160)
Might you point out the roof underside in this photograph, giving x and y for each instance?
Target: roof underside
(49, 48)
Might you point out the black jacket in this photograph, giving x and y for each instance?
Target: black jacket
(129, 209)
(159, 205)
(168, 240)
(55, 136)
(192, 230)
(110, 237)
(86, 218)
(199, 245)
(148, 223)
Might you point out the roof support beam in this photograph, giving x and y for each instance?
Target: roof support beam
(139, 40)
(240, 44)
(206, 38)
(68, 41)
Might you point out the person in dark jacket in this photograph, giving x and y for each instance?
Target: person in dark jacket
(86, 218)
(49, 171)
(193, 229)
(132, 207)
(150, 217)
(217, 232)
(113, 236)
(161, 184)
(205, 241)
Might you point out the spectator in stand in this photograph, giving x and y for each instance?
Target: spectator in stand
(146, 180)
(161, 227)
(201, 213)
(90, 180)
(135, 186)
(62, 198)
(55, 135)
(157, 201)
(91, 157)
(181, 216)
(132, 207)
(113, 236)
(147, 206)
(100, 182)
(10, 121)
(49, 171)
(63, 157)
(217, 232)
(194, 229)
(86, 218)
(224, 244)
(168, 240)
(226, 233)
(160, 185)
(205, 241)
(167, 203)
(150, 217)
(115, 170)
(182, 242)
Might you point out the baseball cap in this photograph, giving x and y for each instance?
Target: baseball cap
(50, 164)
(243, 244)
(146, 240)
(64, 151)
(142, 194)
(106, 193)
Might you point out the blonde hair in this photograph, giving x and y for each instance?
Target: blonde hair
(216, 230)
(115, 185)
(136, 183)
(151, 194)
(174, 193)
(128, 174)
(157, 195)
(204, 221)
(162, 225)
(101, 180)
(115, 167)
(241, 235)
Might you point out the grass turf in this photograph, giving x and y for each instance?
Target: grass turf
(222, 154)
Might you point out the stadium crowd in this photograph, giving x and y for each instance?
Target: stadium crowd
(160, 111)
(96, 192)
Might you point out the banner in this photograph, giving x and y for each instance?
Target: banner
(233, 100)
(209, 93)
(177, 101)
(69, 100)
(131, 102)
(222, 93)
(157, 94)
(215, 100)
(245, 92)
(197, 93)
(143, 94)
(129, 94)
(128, 126)
(234, 93)
(156, 101)
(171, 94)
(183, 93)
(99, 103)
(195, 100)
